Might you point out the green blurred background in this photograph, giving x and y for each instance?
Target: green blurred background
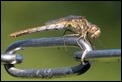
(18, 15)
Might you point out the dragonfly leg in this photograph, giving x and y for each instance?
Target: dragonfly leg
(69, 35)
(86, 38)
(88, 41)
(66, 31)
(78, 41)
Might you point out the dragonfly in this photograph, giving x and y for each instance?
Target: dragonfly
(77, 24)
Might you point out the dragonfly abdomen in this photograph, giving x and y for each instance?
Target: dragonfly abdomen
(38, 29)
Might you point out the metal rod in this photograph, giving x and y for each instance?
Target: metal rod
(55, 41)
(99, 54)
(11, 59)
(45, 73)
(44, 42)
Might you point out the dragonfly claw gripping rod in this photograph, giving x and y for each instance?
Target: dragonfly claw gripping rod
(12, 58)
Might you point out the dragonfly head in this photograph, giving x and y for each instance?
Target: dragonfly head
(94, 31)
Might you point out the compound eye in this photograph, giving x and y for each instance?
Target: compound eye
(93, 36)
(94, 28)
(96, 34)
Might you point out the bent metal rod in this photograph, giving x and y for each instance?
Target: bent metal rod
(44, 73)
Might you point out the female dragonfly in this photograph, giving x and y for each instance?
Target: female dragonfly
(78, 24)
